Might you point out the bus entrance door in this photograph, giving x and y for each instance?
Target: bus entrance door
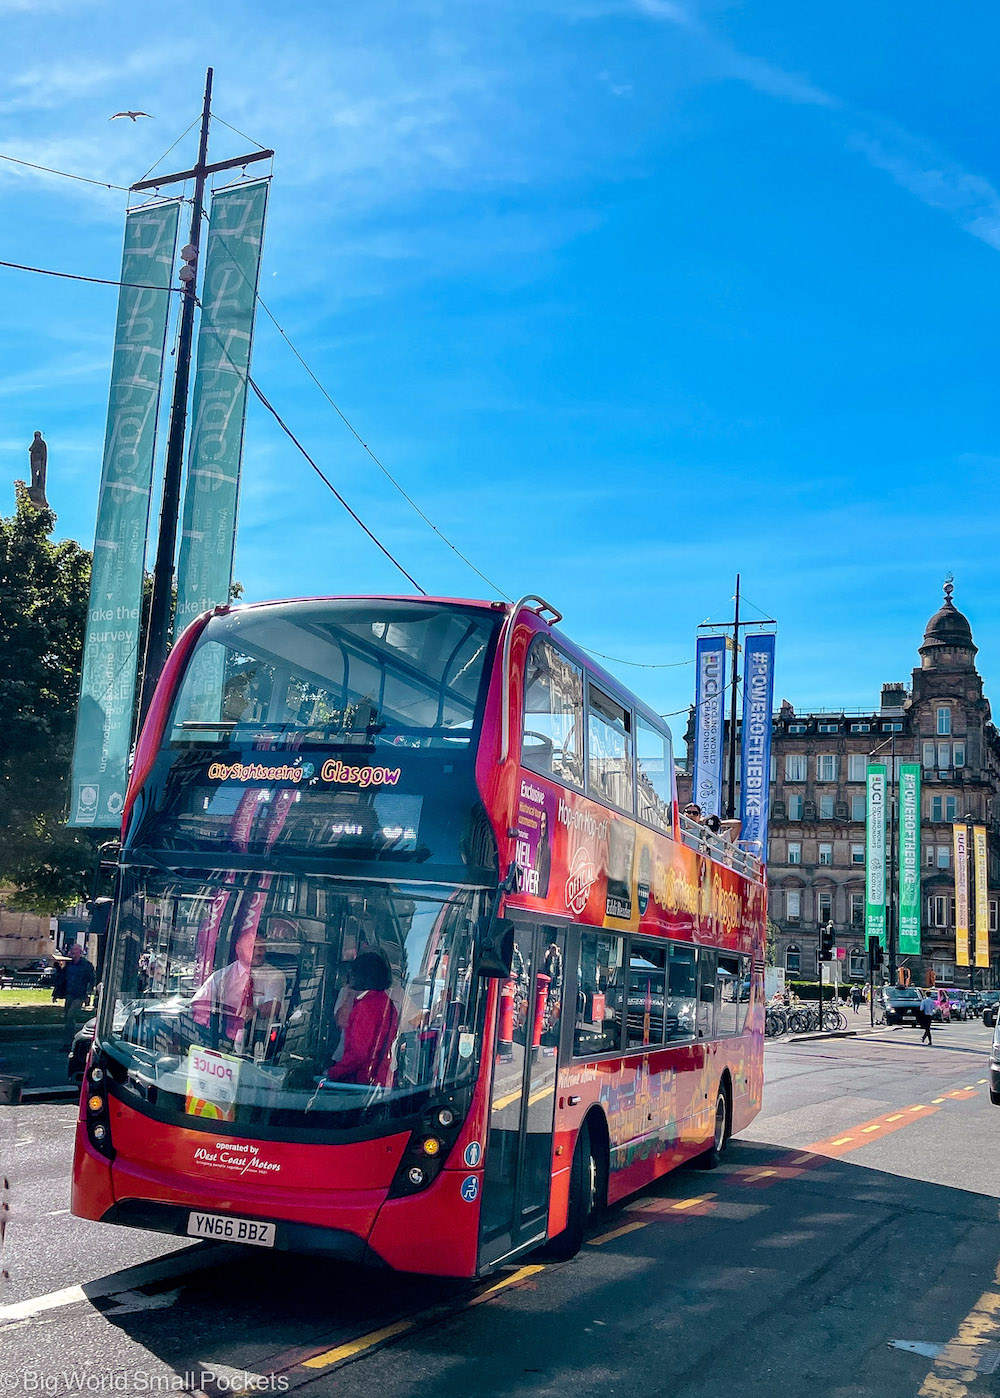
(518, 1164)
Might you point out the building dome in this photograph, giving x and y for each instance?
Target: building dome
(948, 627)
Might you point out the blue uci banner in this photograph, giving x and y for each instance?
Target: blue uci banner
(218, 414)
(709, 724)
(111, 641)
(755, 744)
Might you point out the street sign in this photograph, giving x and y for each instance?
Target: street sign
(831, 972)
(841, 953)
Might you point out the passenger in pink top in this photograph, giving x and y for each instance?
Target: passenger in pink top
(371, 1025)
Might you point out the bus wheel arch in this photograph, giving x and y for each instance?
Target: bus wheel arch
(722, 1124)
(588, 1190)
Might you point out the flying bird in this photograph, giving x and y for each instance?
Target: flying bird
(132, 115)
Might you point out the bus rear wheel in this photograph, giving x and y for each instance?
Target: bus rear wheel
(584, 1198)
(710, 1158)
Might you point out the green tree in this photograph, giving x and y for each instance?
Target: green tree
(771, 944)
(43, 606)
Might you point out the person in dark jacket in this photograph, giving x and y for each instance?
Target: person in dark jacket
(73, 984)
(371, 1025)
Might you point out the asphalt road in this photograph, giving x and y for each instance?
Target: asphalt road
(859, 1209)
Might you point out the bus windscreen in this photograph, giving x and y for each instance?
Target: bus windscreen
(336, 674)
(289, 1000)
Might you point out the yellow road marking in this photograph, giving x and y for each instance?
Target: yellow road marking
(520, 1275)
(876, 1127)
(690, 1203)
(761, 1174)
(938, 1099)
(982, 1080)
(921, 1108)
(970, 1088)
(956, 1365)
(331, 1356)
(842, 1141)
(897, 1117)
(617, 1233)
(802, 1159)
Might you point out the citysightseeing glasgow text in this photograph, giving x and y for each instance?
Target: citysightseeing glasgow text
(333, 770)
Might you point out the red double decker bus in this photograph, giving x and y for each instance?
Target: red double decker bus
(413, 959)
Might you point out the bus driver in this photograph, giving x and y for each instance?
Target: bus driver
(241, 990)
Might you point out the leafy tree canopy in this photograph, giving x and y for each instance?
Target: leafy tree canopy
(43, 607)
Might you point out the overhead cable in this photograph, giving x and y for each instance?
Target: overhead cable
(84, 179)
(76, 277)
(331, 487)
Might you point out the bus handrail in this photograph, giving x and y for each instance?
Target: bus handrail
(735, 855)
(508, 638)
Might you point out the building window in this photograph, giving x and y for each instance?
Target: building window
(939, 910)
(795, 808)
(824, 906)
(937, 808)
(856, 764)
(793, 904)
(826, 767)
(928, 759)
(943, 857)
(958, 754)
(856, 963)
(858, 808)
(794, 853)
(944, 755)
(861, 728)
(798, 728)
(774, 768)
(793, 960)
(857, 910)
(826, 808)
(944, 721)
(951, 808)
(929, 854)
(795, 767)
(826, 854)
(828, 728)
(857, 854)
(993, 915)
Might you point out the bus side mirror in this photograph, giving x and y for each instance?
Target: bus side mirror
(100, 915)
(496, 947)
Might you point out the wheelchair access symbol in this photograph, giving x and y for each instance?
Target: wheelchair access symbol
(473, 1154)
(470, 1188)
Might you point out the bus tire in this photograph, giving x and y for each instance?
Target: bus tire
(721, 1128)
(584, 1199)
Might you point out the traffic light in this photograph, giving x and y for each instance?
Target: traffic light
(827, 938)
(189, 258)
(875, 953)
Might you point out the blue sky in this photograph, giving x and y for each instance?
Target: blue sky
(629, 294)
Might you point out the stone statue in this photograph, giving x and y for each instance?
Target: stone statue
(39, 454)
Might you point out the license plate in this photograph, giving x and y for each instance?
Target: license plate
(231, 1230)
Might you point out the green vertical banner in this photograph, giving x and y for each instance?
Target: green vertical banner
(909, 858)
(111, 642)
(875, 854)
(228, 301)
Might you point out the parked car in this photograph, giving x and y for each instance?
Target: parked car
(943, 1012)
(901, 1004)
(995, 1067)
(991, 1004)
(82, 1042)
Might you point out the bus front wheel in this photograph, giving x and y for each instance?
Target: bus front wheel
(584, 1198)
(710, 1158)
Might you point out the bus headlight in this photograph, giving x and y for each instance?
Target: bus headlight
(446, 1117)
(415, 1175)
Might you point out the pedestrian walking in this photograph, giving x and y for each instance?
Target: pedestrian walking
(928, 1007)
(73, 984)
(856, 998)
